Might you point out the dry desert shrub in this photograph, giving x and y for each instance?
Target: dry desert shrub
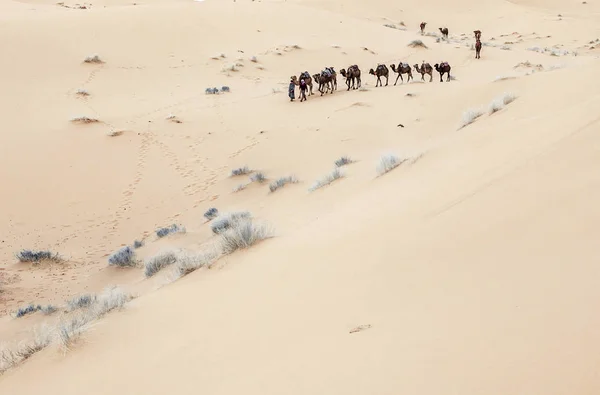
(335, 174)
(240, 187)
(226, 220)
(470, 116)
(125, 256)
(281, 182)
(162, 232)
(417, 44)
(82, 92)
(343, 161)
(93, 59)
(189, 263)
(158, 262)
(241, 171)
(500, 102)
(38, 256)
(388, 163)
(84, 119)
(242, 234)
(258, 177)
(211, 213)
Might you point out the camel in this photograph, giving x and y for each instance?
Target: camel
(442, 68)
(477, 49)
(380, 71)
(324, 80)
(333, 77)
(422, 26)
(403, 68)
(444, 31)
(352, 74)
(477, 34)
(425, 69)
(306, 77)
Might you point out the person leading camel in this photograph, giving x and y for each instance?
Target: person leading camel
(292, 90)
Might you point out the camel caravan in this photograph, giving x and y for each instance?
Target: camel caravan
(327, 78)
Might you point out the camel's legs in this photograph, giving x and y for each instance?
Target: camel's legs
(430, 77)
(387, 79)
(399, 76)
(448, 78)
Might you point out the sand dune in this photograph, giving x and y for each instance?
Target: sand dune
(468, 269)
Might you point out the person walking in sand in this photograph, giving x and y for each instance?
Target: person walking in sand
(303, 88)
(292, 90)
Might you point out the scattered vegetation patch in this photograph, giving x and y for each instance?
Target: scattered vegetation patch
(159, 262)
(138, 244)
(225, 221)
(254, 59)
(225, 88)
(35, 257)
(12, 355)
(124, 257)
(93, 59)
(335, 174)
(388, 163)
(162, 232)
(218, 56)
(470, 116)
(23, 311)
(82, 92)
(211, 213)
(417, 44)
(84, 119)
(173, 118)
(281, 182)
(240, 187)
(211, 91)
(343, 161)
(190, 263)
(240, 171)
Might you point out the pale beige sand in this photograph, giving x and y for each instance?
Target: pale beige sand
(473, 268)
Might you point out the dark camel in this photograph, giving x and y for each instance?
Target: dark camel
(324, 81)
(381, 71)
(444, 31)
(352, 74)
(443, 68)
(422, 26)
(425, 69)
(477, 34)
(403, 68)
(307, 78)
(333, 77)
(477, 49)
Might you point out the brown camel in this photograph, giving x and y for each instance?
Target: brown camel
(425, 69)
(403, 68)
(333, 77)
(477, 49)
(442, 68)
(444, 31)
(352, 74)
(477, 34)
(380, 71)
(422, 26)
(307, 78)
(324, 80)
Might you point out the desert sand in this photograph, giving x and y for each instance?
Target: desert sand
(471, 268)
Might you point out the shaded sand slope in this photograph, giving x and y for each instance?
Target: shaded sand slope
(475, 268)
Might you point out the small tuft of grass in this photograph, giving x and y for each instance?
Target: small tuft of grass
(253, 59)
(281, 182)
(258, 177)
(470, 116)
(500, 102)
(240, 187)
(211, 213)
(417, 44)
(162, 232)
(336, 174)
(240, 171)
(343, 161)
(35, 257)
(93, 59)
(123, 257)
(138, 244)
(81, 302)
(211, 91)
(82, 92)
(225, 221)
(23, 311)
(190, 263)
(225, 88)
(243, 234)
(157, 263)
(49, 309)
(218, 56)
(84, 119)
(388, 163)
